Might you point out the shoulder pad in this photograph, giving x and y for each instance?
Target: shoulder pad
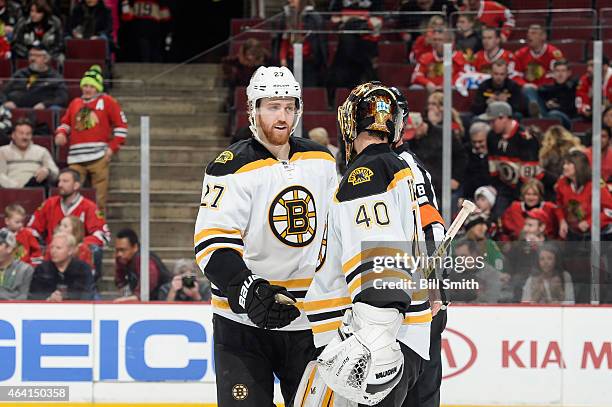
(301, 144)
(369, 176)
(236, 156)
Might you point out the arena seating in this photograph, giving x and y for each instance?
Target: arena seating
(29, 198)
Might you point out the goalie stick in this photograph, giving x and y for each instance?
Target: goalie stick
(312, 391)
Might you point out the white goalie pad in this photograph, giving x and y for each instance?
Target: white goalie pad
(364, 362)
(313, 392)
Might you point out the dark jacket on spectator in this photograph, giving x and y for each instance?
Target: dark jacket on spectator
(429, 150)
(26, 34)
(205, 292)
(91, 21)
(27, 88)
(77, 277)
(488, 88)
(11, 13)
(476, 173)
(564, 94)
(129, 274)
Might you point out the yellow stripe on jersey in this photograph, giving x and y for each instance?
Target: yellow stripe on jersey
(329, 326)
(326, 304)
(297, 283)
(418, 319)
(308, 386)
(400, 175)
(255, 165)
(368, 253)
(214, 231)
(364, 279)
(312, 155)
(327, 398)
(206, 252)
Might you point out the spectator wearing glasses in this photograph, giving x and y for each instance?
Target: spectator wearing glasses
(186, 286)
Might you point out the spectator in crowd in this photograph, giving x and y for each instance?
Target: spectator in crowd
(127, 268)
(15, 275)
(238, 69)
(513, 154)
(320, 136)
(41, 26)
(149, 26)
(477, 167)
(5, 45)
(476, 228)
(28, 249)
(63, 277)
(491, 52)
(353, 62)
(91, 19)
(557, 99)
(606, 154)
(10, 13)
(574, 200)
(425, 140)
(538, 222)
(534, 65)
(492, 14)
(435, 113)
(414, 16)
(423, 43)
(23, 163)
(493, 285)
(6, 125)
(556, 144)
(484, 198)
(532, 197)
(498, 88)
(607, 117)
(185, 285)
(301, 15)
(584, 90)
(549, 283)
(94, 127)
(467, 40)
(429, 72)
(70, 202)
(71, 225)
(36, 86)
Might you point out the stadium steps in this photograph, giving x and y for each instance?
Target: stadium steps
(187, 131)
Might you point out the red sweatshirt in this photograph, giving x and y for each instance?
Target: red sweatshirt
(483, 64)
(584, 91)
(575, 205)
(92, 126)
(513, 219)
(28, 248)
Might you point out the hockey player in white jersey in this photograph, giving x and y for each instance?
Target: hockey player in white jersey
(257, 238)
(373, 323)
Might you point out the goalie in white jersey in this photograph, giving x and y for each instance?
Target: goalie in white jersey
(374, 325)
(257, 238)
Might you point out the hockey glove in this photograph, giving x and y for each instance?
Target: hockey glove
(248, 293)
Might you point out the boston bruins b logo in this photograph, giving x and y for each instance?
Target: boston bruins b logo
(293, 217)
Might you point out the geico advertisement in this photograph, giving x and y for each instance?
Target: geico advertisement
(105, 342)
(537, 355)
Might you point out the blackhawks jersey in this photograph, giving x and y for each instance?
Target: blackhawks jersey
(374, 216)
(584, 91)
(430, 69)
(46, 218)
(534, 67)
(483, 63)
(271, 212)
(92, 126)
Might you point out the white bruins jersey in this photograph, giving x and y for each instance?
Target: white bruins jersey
(374, 215)
(272, 212)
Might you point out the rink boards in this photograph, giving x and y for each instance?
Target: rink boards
(160, 354)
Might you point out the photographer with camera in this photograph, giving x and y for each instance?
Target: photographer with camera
(185, 285)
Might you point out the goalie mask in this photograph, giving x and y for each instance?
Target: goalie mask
(371, 107)
(272, 82)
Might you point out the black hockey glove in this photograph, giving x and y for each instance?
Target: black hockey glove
(248, 293)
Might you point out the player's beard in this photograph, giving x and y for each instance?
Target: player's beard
(275, 136)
